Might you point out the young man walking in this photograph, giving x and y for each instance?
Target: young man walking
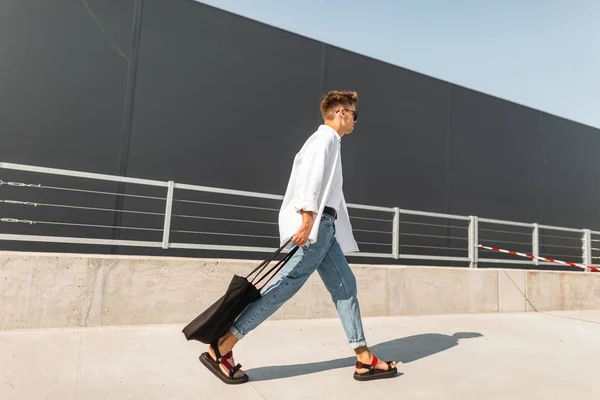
(315, 216)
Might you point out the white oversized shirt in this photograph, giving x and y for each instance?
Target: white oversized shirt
(316, 170)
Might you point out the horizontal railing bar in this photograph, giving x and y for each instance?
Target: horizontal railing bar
(25, 203)
(373, 219)
(500, 261)
(225, 205)
(194, 246)
(560, 246)
(372, 255)
(33, 222)
(433, 215)
(266, 196)
(224, 219)
(137, 196)
(370, 208)
(558, 228)
(436, 225)
(224, 234)
(185, 186)
(433, 247)
(375, 244)
(433, 236)
(37, 186)
(433, 258)
(369, 231)
(87, 175)
(511, 223)
(561, 237)
(509, 232)
(61, 239)
(508, 242)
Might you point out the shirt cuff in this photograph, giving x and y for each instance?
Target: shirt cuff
(307, 206)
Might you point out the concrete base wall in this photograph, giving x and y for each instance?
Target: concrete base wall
(41, 290)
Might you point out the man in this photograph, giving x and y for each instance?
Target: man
(315, 216)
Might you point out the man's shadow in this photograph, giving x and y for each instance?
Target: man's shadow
(405, 350)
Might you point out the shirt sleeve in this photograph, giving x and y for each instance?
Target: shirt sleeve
(311, 175)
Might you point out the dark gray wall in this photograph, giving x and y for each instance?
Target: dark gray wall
(178, 90)
(63, 80)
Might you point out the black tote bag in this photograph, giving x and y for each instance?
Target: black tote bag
(216, 320)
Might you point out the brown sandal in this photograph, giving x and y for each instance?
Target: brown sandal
(213, 366)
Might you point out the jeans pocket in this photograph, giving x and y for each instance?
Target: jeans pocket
(326, 221)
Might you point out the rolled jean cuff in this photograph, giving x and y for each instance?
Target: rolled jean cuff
(355, 344)
(236, 332)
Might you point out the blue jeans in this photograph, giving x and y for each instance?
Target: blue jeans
(325, 256)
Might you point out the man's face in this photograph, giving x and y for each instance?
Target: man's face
(347, 116)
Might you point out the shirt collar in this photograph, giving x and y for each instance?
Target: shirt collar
(330, 129)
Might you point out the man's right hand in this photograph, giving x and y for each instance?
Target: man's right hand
(301, 237)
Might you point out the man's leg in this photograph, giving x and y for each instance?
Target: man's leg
(341, 283)
(285, 285)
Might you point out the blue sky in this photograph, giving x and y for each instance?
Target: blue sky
(543, 54)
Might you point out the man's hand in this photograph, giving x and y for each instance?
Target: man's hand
(301, 237)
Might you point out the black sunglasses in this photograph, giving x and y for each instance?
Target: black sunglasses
(354, 113)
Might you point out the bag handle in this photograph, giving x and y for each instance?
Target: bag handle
(277, 267)
(268, 260)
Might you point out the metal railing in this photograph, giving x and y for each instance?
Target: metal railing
(169, 215)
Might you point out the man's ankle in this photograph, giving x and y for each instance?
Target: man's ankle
(224, 338)
(363, 354)
(228, 341)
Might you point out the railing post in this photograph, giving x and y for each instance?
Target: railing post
(535, 243)
(396, 234)
(168, 210)
(473, 240)
(587, 248)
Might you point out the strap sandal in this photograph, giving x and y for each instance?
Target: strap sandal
(214, 366)
(374, 373)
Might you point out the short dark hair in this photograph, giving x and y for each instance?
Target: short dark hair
(334, 99)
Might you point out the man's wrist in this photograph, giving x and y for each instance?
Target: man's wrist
(307, 216)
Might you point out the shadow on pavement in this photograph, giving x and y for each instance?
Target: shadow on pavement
(402, 350)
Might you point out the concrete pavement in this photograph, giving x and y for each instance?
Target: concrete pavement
(478, 356)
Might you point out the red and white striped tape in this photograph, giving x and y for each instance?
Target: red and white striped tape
(514, 253)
